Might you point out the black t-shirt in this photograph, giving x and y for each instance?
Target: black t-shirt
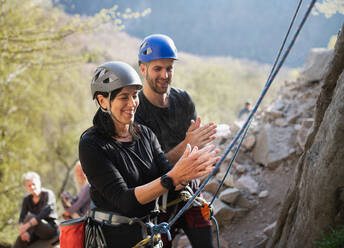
(44, 209)
(169, 124)
(115, 168)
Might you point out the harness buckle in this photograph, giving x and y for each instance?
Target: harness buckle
(154, 213)
(109, 221)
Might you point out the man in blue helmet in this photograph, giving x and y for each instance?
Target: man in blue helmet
(171, 114)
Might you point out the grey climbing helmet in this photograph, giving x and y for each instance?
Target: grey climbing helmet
(112, 76)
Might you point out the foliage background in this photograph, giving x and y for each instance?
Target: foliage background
(44, 102)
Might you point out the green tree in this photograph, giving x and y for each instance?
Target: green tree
(44, 97)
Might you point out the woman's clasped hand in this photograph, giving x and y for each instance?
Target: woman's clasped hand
(194, 164)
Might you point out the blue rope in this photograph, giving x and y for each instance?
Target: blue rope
(165, 227)
(160, 228)
(248, 126)
(217, 231)
(285, 38)
(230, 165)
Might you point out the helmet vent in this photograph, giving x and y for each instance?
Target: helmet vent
(148, 51)
(106, 81)
(102, 72)
(96, 76)
(143, 45)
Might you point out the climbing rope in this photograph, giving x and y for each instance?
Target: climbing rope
(230, 164)
(165, 227)
(249, 124)
(285, 39)
(217, 231)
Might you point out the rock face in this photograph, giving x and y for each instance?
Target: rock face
(222, 212)
(275, 140)
(263, 194)
(212, 186)
(248, 183)
(313, 200)
(316, 64)
(274, 144)
(229, 195)
(249, 142)
(303, 132)
(269, 229)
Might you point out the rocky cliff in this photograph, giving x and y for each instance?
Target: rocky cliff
(248, 203)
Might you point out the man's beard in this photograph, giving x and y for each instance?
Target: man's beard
(154, 86)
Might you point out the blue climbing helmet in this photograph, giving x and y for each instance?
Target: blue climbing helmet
(157, 46)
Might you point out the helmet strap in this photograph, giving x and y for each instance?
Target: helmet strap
(109, 110)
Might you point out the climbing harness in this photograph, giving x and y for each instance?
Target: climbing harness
(184, 196)
(96, 218)
(94, 236)
(144, 242)
(165, 227)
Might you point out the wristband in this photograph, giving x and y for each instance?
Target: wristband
(167, 182)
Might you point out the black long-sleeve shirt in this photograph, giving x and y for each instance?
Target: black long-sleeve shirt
(44, 209)
(115, 168)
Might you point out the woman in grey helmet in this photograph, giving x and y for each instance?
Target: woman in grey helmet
(124, 163)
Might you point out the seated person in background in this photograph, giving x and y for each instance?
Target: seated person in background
(77, 207)
(244, 112)
(38, 216)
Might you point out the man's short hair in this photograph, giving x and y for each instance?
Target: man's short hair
(31, 176)
(140, 62)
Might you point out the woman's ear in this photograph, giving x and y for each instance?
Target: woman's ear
(102, 101)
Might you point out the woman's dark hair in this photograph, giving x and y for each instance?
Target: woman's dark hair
(103, 122)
